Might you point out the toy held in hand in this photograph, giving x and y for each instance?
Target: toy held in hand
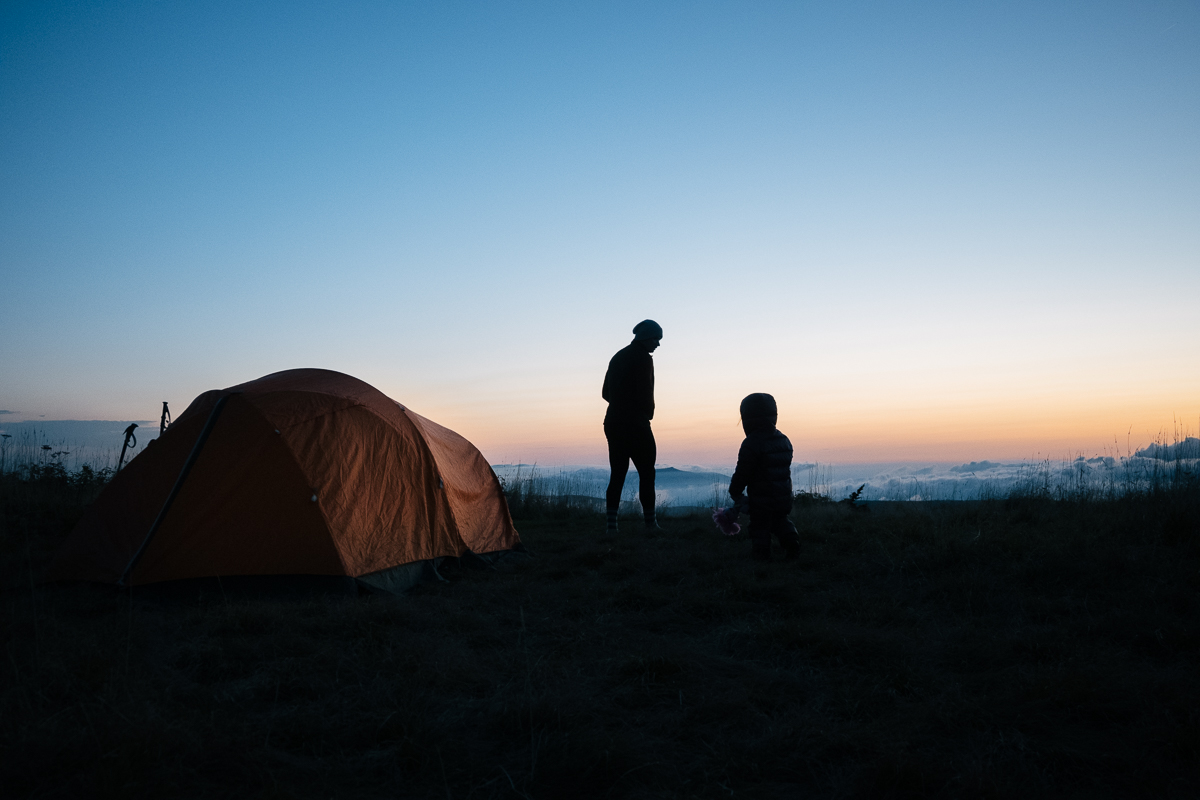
(726, 520)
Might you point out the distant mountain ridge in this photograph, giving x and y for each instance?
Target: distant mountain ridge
(670, 476)
(671, 484)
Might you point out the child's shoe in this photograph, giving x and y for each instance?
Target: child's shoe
(610, 516)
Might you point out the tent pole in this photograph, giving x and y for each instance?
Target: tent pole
(183, 473)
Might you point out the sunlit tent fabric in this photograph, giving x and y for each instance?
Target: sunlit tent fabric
(303, 472)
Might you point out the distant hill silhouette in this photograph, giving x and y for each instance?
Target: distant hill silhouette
(672, 478)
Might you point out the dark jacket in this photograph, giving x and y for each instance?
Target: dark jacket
(629, 385)
(764, 467)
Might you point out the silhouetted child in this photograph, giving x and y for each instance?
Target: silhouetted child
(764, 469)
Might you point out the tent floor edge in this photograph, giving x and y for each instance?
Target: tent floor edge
(399, 579)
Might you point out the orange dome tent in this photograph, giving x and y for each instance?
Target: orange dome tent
(303, 472)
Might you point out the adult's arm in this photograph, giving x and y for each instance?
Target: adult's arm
(610, 381)
(629, 383)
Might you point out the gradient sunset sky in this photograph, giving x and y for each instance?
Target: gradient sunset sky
(934, 231)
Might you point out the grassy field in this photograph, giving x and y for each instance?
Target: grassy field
(1007, 648)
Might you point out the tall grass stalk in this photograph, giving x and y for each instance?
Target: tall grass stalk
(534, 494)
(29, 452)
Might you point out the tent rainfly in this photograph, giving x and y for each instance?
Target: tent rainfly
(302, 472)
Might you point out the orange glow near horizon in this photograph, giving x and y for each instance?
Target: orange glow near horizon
(1013, 430)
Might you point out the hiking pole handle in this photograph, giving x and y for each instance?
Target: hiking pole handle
(128, 436)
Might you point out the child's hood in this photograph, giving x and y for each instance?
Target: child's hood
(759, 413)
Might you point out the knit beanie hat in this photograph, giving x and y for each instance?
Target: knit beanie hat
(759, 406)
(647, 330)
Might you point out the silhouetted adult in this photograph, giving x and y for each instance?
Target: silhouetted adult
(629, 390)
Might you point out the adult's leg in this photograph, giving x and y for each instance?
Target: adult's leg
(644, 453)
(618, 465)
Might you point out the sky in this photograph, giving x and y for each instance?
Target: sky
(935, 231)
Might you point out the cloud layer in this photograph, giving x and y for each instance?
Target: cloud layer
(1189, 448)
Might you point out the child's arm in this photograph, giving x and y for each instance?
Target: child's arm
(737, 484)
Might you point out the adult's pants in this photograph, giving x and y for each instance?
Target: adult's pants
(630, 440)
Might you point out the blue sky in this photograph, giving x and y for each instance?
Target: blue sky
(951, 230)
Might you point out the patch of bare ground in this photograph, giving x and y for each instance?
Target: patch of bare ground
(996, 649)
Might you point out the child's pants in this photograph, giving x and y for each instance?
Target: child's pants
(762, 528)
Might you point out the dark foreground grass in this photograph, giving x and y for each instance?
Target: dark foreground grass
(1004, 649)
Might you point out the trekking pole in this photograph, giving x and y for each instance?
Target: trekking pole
(165, 420)
(128, 437)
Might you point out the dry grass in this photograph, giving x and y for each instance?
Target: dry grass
(999, 649)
